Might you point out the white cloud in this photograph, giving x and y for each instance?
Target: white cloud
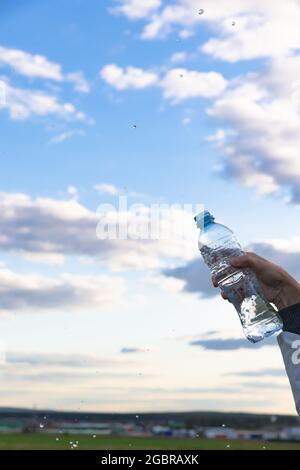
(179, 57)
(184, 13)
(186, 120)
(180, 84)
(262, 29)
(53, 259)
(38, 66)
(30, 65)
(45, 360)
(242, 29)
(63, 136)
(44, 369)
(109, 189)
(130, 77)
(72, 190)
(218, 136)
(80, 82)
(185, 33)
(262, 111)
(23, 103)
(174, 285)
(31, 293)
(135, 9)
(45, 227)
(291, 246)
(112, 190)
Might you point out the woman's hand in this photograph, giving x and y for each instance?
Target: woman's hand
(277, 285)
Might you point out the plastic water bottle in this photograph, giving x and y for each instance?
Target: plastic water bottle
(217, 244)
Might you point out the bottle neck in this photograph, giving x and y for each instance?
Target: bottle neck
(203, 220)
(208, 221)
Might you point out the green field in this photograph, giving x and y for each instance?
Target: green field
(50, 442)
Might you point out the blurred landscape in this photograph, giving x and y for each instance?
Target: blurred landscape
(44, 429)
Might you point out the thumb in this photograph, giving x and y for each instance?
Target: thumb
(242, 261)
(248, 260)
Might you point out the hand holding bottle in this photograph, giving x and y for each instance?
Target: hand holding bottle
(276, 284)
(244, 279)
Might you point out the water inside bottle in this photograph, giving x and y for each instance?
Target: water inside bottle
(258, 318)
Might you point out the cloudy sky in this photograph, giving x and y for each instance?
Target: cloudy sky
(162, 102)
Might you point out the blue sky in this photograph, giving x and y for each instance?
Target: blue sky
(150, 100)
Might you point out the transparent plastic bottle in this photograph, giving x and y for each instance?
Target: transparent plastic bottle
(217, 244)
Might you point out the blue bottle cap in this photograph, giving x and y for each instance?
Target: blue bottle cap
(203, 219)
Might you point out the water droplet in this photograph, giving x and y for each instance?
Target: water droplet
(201, 11)
(42, 426)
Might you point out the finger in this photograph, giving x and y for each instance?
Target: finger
(249, 260)
(224, 295)
(242, 261)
